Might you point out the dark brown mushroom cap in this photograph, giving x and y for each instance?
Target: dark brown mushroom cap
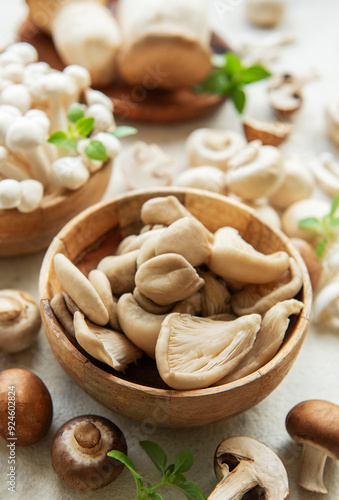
(79, 452)
(315, 422)
(33, 406)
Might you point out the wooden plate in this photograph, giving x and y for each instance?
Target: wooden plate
(140, 393)
(137, 103)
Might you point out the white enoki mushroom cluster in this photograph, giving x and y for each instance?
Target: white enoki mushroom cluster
(196, 309)
(34, 99)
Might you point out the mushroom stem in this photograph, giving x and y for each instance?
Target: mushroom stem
(88, 438)
(312, 469)
(234, 486)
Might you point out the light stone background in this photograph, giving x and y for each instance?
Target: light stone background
(315, 374)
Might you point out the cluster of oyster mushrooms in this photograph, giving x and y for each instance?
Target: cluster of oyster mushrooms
(34, 99)
(209, 312)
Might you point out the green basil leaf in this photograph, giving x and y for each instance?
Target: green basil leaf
(155, 496)
(321, 248)
(183, 462)
(252, 74)
(179, 478)
(217, 83)
(334, 222)
(61, 139)
(75, 112)
(95, 150)
(118, 455)
(124, 131)
(192, 491)
(84, 126)
(155, 453)
(233, 64)
(335, 205)
(308, 223)
(239, 99)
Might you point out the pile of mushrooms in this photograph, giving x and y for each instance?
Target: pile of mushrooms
(154, 44)
(34, 99)
(208, 313)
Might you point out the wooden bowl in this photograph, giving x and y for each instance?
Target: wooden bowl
(22, 233)
(140, 393)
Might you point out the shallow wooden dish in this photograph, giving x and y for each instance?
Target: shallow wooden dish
(140, 393)
(137, 103)
(26, 233)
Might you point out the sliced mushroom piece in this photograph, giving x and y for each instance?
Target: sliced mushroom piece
(298, 185)
(135, 242)
(244, 465)
(215, 296)
(106, 345)
(163, 210)
(20, 320)
(191, 305)
(150, 306)
(326, 172)
(79, 288)
(120, 271)
(140, 326)
(285, 91)
(207, 178)
(102, 285)
(214, 147)
(167, 278)
(314, 423)
(235, 259)
(259, 177)
(193, 352)
(186, 237)
(260, 298)
(79, 452)
(265, 13)
(62, 313)
(269, 133)
(268, 341)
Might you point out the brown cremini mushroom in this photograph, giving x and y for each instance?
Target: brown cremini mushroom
(314, 423)
(23, 391)
(244, 465)
(79, 452)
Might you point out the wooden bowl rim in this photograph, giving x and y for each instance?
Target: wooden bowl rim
(294, 340)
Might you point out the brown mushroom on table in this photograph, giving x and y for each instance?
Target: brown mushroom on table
(33, 406)
(244, 465)
(79, 452)
(314, 423)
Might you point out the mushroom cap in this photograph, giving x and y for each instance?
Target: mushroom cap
(79, 452)
(33, 410)
(24, 134)
(25, 51)
(315, 422)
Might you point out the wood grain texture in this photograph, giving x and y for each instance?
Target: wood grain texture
(140, 393)
(137, 103)
(22, 233)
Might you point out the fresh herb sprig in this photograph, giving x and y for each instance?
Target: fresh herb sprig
(229, 76)
(171, 475)
(324, 227)
(80, 127)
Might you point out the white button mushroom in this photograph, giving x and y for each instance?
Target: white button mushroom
(265, 13)
(10, 193)
(69, 172)
(208, 178)
(326, 172)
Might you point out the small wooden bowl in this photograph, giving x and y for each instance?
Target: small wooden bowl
(26, 233)
(140, 393)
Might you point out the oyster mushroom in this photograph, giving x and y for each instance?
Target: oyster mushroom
(260, 298)
(135, 242)
(148, 305)
(268, 341)
(167, 278)
(269, 133)
(244, 465)
(163, 211)
(111, 347)
(140, 326)
(191, 305)
(233, 258)
(20, 320)
(259, 176)
(193, 352)
(326, 172)
(173, 37)
(314, 423)
(144, 165)
(147, 251)
(79, 452)
(215, 297)
(208, 178)
(298, 185)
(80, 289)
(62, 313)
(103, 286)
(178, 239)
(213, 147)
(120, 271)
